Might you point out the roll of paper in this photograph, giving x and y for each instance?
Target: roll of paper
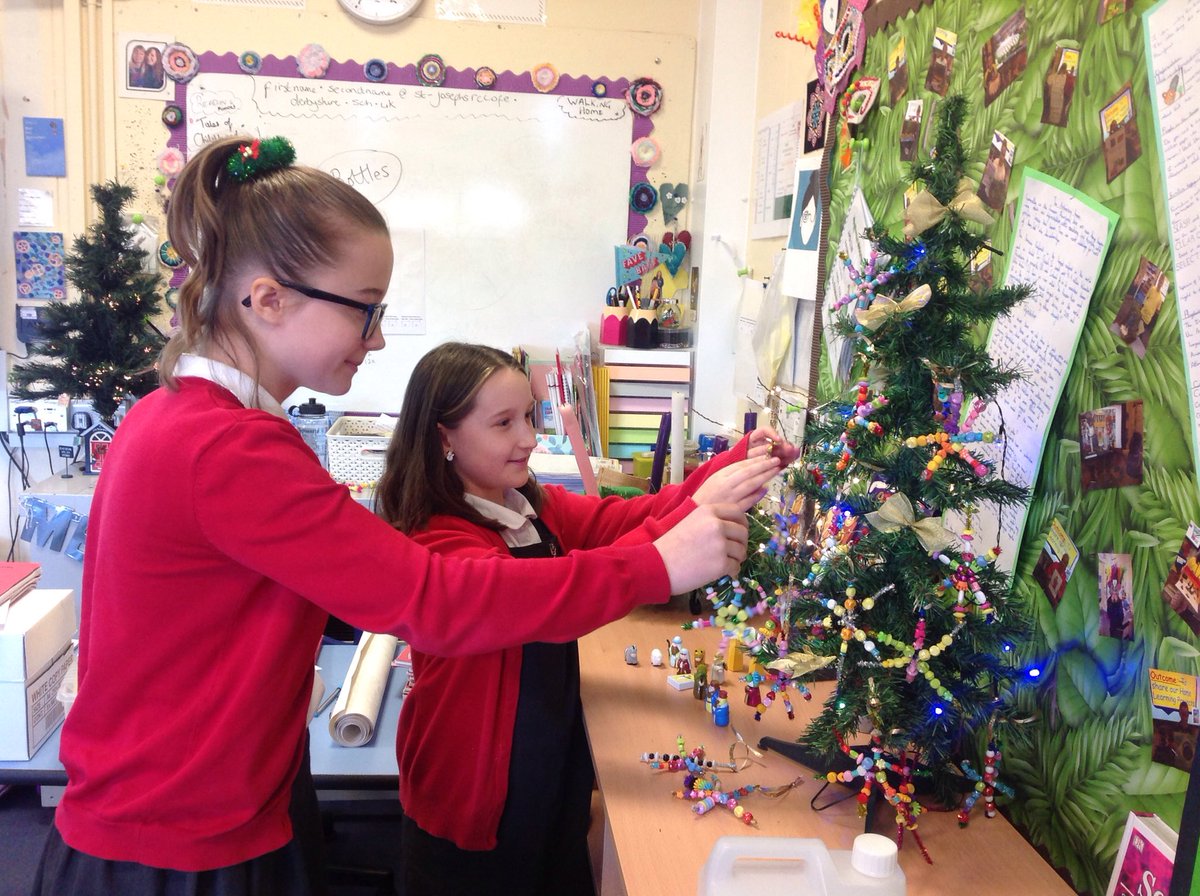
(582, 460)
(352, 722)
(677, 448)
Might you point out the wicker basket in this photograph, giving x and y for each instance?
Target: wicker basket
(356, 448)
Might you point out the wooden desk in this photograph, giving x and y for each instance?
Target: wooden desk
(656, 846)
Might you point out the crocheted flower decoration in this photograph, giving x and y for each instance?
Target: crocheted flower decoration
(375, 70)
(544, 77)
(172, 115)
(168, 256)
(260, 156)
(642, 197)
(485, 77)
(170, 161)
(312, 61)
(179, 63)
(250, 62)
(644, 96)
(431, 70)
(645, 151)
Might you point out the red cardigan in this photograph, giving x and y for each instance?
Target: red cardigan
(216, 548)
(456, 725)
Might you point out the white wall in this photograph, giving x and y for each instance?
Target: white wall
(727, 50)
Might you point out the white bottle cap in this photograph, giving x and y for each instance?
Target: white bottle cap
(874, 855)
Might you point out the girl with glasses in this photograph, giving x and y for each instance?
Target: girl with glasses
(217, 546)
(496, 794)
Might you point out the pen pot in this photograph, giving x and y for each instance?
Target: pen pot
(614, 326)
(643, 328)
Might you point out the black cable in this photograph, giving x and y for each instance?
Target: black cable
(49, 458)
(21, 465)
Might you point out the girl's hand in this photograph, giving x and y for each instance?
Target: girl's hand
(765, 441)
(708, 543)
(742, 484)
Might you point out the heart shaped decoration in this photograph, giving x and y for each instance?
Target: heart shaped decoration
(672, 254)
(674, 199)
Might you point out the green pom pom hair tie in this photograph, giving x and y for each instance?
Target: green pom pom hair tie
(257, 157)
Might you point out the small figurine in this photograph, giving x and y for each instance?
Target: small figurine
(716, 672)
(656, 657)
(631, 655)
(683, 664)
(753, 693)
(673, 648)
(700, 676)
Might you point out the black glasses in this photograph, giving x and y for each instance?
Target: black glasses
(373, 312)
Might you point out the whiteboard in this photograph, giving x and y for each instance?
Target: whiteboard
(504, 206)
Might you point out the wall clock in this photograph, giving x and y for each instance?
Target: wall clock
(379, 12)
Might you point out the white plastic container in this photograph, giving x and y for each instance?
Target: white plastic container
(749, 866)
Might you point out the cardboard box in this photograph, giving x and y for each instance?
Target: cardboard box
(35, 651)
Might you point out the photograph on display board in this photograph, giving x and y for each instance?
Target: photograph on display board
(1110, 444)
(1139, 309)
(1115, 581)
(1110, 9)
(140, 70)
(910, 130)
(1056, 563)
(993, 186)
(1059, 86)
(1119, 133)
(1100, 431)
(897, 69)
(1174, 718)
(941, 62)
(1181, 590)
(980, 275)
(1005, 56)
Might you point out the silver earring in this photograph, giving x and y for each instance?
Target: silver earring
(450, 455)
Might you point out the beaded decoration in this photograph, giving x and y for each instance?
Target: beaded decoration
(866, 282)
(916, 656)
(948, 445)
(703, 787)
(873, 769)
(258, 157)
(964, 578)
(986, 785)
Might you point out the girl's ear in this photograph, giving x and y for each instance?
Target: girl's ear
(443, 436)
(267, 298)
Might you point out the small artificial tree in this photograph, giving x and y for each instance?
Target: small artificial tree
(102, 346)
(859, 570)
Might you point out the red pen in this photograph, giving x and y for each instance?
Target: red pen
(562, 389)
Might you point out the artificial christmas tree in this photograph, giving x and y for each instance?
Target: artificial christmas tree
(861, 570)
(104, 345)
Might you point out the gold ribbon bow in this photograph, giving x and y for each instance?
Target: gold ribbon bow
(800, 663)
(897, 513)
(884, 307)
(924, 211)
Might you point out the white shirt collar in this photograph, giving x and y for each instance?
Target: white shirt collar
(242, 386)
(515, 512)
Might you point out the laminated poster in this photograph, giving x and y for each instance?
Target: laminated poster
(1173, 67)
(1061, 238)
